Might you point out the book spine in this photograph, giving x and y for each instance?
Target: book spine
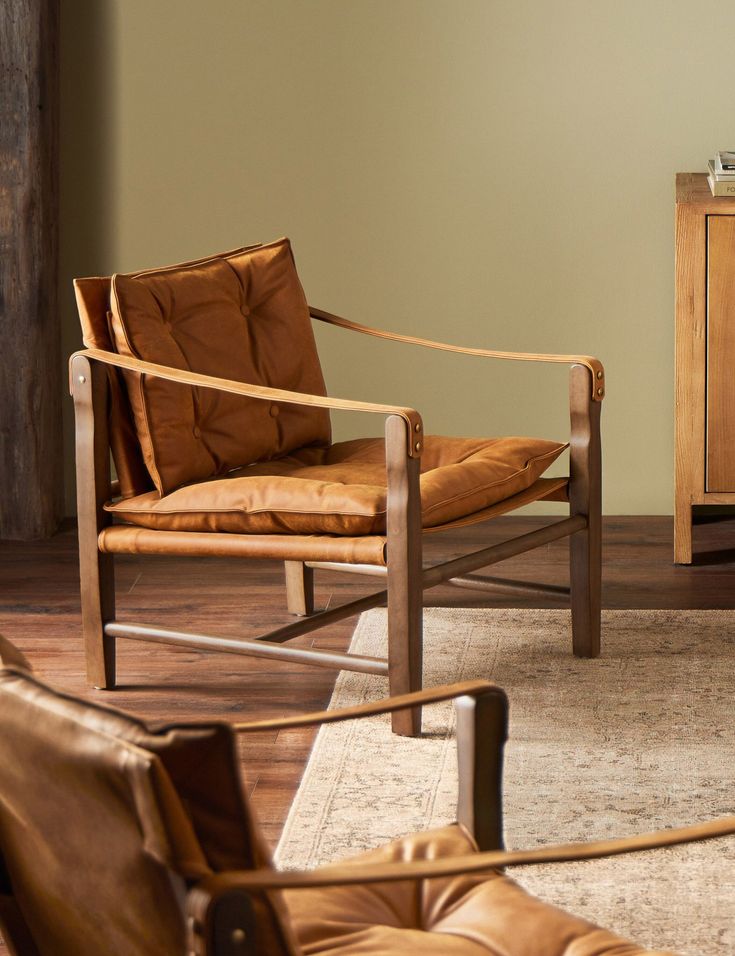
(720, 188)
(717, 175)
(725, 161)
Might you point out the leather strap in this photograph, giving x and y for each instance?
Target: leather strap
(475, 863)
(595, 366)
(471, 688)
(262, 392)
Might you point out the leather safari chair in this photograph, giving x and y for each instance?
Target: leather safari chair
(204, 382)
(122, 839)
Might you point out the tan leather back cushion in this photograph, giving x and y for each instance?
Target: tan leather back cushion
(102, 821)
(93, 302)
(242, 316)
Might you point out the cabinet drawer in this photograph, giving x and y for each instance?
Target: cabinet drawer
(720, 445)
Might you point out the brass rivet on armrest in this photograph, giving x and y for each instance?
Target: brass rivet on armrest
(417, 446)
(599, 374)
(81, 379)
(238, 936)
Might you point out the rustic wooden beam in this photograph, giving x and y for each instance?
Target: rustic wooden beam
(31, 456)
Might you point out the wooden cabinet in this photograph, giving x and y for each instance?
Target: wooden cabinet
(705, 354)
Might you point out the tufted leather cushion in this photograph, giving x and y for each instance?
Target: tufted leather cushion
(342, 489)
(472, 915)
(241, 316)
(93, 302)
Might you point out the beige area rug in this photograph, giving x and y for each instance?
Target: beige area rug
(641, 738)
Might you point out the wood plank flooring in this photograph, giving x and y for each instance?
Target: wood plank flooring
(39, 610)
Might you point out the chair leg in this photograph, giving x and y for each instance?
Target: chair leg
(405, 576)
(585, 565)
(585, 497)
(98, 606)
(96, 570)
(299, 588)
(682, 529)
(405, 633)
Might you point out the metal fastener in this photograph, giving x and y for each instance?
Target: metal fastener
(417, 426)
(81, 379)
(599, 374)
(238, 936)
(417, 446)
(600, 391)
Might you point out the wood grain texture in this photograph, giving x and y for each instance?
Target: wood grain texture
(89, 388)
(696, 477)
(720, 476)
(585, 498)
(691, 358)
(405, 575)
(31, 464)
(693, 190)
(299, 588)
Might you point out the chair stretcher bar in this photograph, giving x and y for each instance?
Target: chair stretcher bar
(251, 647)
(271, 644)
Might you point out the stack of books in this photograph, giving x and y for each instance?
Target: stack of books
(721, 173)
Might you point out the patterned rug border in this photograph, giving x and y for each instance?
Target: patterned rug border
(612, 789)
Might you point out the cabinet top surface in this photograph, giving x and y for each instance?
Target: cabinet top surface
(693, 189)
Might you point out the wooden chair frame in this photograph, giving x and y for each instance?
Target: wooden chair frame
(406, 577)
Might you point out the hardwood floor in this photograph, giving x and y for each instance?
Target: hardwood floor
(39, 610)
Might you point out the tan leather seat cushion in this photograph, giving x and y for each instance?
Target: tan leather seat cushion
(240, 316)
(469, 915)
(342, 489)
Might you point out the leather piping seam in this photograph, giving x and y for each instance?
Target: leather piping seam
(241, 511)
(114, 509)
(479, 489)
(190, 263)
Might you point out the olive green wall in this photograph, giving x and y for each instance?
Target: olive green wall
(489, 172)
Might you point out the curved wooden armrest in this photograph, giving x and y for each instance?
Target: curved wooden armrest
(458, 865)
(262, 392)
(595, 366)
(469, 688)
